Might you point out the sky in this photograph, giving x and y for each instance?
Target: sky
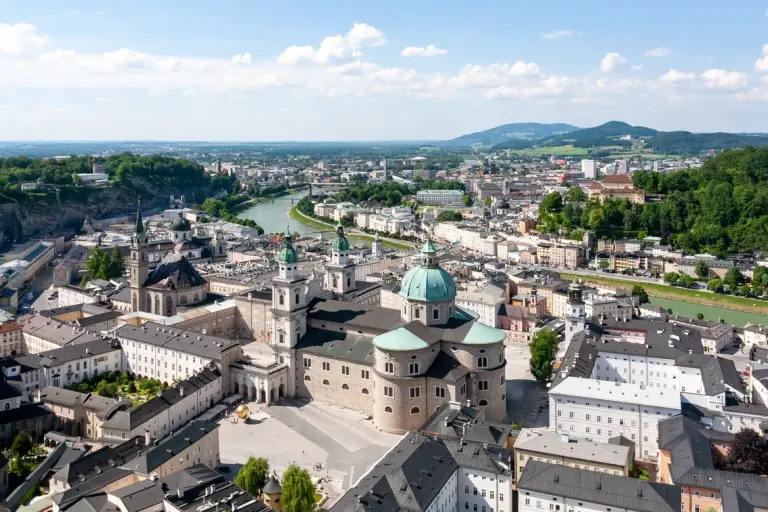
(339, 70)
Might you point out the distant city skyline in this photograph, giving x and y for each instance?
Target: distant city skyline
(349, 71)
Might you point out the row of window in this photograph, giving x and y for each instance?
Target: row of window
(482, 492)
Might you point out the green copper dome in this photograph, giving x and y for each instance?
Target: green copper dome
(288, 253)
(340, 243)
(428, 282)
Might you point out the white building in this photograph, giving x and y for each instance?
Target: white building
(434, 197)
(589, 169)
(484, 299)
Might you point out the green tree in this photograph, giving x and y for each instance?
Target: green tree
(467, 200)
(22, 445)
(715, 285)
(98, 264)
(700, 316)
(116, 263)
(642, 295)
(749, 453)
(448, 216)
(577, 195)
(348, 221)
(604, 264)
(733, 278)
(298, 491)
(543, 349)
(686, 280)
(671, 278)
(253, 475)
(745, 291)
(84, 281)
(701, 269)
(488, 201)
(553, 203)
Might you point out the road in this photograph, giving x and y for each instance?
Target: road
(595, 273)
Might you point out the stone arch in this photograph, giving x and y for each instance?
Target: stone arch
(297, 298)
(148, 304)
(335, 281)
(183, 299)
(196, 299)
(281, 299)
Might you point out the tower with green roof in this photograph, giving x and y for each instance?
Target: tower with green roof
(289, 307)
(139, 263)
(428, 290)
(340, 271)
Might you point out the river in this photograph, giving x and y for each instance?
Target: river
(738, 318)
(273, 217)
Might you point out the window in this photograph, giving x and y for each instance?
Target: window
(416, 312)
(482, 385)
(345, 387)
(282, 300)
(389, 391)
(414, 410)
(365, 374)
(326, 383)
(435, 314)
(414, 392)
(307, 362)
(364, 391)
(413, 368)
(388, 409)
(482, 362)
(297, 298)
(345, 370)
(466, 489)
(439, 392)
(482, 402)
(389, 368)
(463, 389)
(282, 338)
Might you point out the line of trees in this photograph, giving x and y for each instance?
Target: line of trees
(298, 491)
(104, 265)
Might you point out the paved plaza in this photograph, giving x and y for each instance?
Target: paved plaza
(526, 398)
(343, 443)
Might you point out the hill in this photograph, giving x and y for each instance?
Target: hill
(511, 132)
(602, 135)
(681, 143)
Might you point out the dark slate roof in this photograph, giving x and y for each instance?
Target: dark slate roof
(272, 485)
(25, 412)
(408, 477)
(689, 442)
(579, 359)
(174, 272)
(366, 318)
(69, 398)
(98, 462)
(716, 372)
(129, 419)
(198, 486)
(599, 488)
(745, 408)
(338, 345)
(140, 496)
(93, 503)
(171, 446)
(446, 367)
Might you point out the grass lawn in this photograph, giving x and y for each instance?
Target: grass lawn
(684, 294)
(568, 150)
(299, 217)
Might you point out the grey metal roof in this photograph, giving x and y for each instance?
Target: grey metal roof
(56, 332)
(689, 442)
(203, 345)
(367, 318)
(600, 488)
(545, 441)
(170, 447)
(61, 396)
(140, 496)
(338, 345)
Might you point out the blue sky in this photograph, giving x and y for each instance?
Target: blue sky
(343, 70)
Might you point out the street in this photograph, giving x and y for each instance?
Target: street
(526, 398)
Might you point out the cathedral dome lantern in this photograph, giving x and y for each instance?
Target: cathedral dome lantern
(288, 254)
(428, 281)
(181, 227)
(340, 243)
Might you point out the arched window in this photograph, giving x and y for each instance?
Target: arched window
(364, 391)
(436, 313)
(157, 305)
(7, 406)
(482, 402)
(307, 378)
(501, 357)
(196, 299)
(482, 362)
(349, 281)
(326, 383)
(414, 410)
(281, 300)
(388, 409)
(297, 298)
(405, 309)
(345, 387)
(335, 281)
(148, 303)
(135, 302)
(168, 306)
(413, 368)
(183, 299)
(503, 398)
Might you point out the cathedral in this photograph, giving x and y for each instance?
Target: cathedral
(173, 282)
(397, 366)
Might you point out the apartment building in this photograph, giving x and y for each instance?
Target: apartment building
(436, 197)
(77, 414)
(11, 339)
(560, 255)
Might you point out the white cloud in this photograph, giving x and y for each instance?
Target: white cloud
(552, 86)
(557, 34)
(657, 52)
(243, 59)
(417, 51)
(338, 47)
(637, 67)
(675, 76)
(722, 79)
(761, 64)
(20, 38)
(611, 62)
(496, 74)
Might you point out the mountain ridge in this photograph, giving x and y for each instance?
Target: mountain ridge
(511, 131)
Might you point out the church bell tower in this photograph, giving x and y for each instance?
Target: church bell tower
(139, 264)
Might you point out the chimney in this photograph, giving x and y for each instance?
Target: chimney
(564, 437)
(147, 438)
(87, 350)
(181, 390)
(39, 395)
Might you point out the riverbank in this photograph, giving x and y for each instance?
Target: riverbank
(683, 294)
(296, 215)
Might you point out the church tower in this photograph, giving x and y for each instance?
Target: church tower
(289, 315)
(376, 246)
(339, 271)
(574, 313)
(139, 264)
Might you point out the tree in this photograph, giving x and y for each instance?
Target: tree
(733, 278)
(298, 491)
(686, 280)
(22, 445)
(749, 453)
(488, 201)
(745, 291)
(715, 285)
(671, 278)
(253, 475)
(98, 264)
(84, 281)
(449, 216)
(553, 203)
(642, 295)
(467, 200)
(116, 263)
(604, 264)
(701, 269)
(699, 316)
(543, 349)
(348, 221)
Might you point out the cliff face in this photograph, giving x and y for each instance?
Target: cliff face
(47, 213)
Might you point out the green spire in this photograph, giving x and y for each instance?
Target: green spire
(429, 247)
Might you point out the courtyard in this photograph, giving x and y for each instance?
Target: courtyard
(526, 398)
(334, 444)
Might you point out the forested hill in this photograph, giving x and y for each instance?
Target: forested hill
(721, 208)
(511, 132)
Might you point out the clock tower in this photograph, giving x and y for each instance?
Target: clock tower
(139, 264)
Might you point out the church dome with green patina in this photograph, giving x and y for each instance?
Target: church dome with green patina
(288, 254)
(340, 243)
(428, 282)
